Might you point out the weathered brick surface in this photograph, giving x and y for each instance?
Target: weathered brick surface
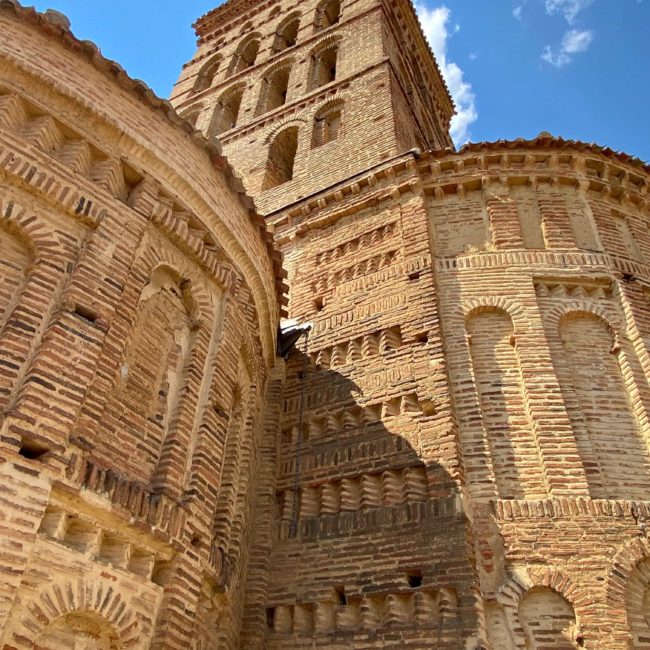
(139, 313)
(456, 457)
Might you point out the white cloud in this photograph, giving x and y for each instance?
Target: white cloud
(516, 12)
(568, 8)
(435, 23)
(573, 42)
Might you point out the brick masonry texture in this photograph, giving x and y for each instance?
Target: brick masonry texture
(457, 455)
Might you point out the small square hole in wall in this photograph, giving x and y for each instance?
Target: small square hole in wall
(414, 579)
(270, 617)
(319, 304)
(341, 598)
(33, 450)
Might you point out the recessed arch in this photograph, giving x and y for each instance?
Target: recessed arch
(281, 159)
(286, 35)
(192, 114)
(207, 74)
(227, 111)
(328, 123)
(323, 68)
(246, 54)
(591, 367)
(501, 390)
(275, 87)
(548, 620)
(16, 259)
(328, 13)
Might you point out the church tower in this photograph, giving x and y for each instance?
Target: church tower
(361, 537)
(303, 95)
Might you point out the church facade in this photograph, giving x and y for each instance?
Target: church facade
(454, 454)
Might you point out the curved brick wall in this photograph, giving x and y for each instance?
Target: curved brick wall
(137, 338)
(541, 254)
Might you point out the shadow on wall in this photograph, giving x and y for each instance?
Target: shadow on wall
(352, 473)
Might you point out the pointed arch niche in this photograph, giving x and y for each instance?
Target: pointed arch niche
(503, 409)
(589, 364)
(153, 369)
(16, 259)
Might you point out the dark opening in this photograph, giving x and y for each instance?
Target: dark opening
(32, 450)
(341, 598)
(327, 127)
(245, 56)
(275, 91)
(270, 617)
(415, 579)
(86, 313)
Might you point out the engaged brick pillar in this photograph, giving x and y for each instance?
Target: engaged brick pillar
(556, 220)
(265, 508)
(503, 215)
(24, 494)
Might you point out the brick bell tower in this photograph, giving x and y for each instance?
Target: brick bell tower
(303, 95)
(362, 538)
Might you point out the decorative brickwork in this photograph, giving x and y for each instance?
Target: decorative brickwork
(456, 456)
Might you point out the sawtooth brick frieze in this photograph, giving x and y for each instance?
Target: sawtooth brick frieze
(454, 454)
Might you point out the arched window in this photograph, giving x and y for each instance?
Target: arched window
(323, 66)
(207, 74)
(274, 90)
(282, 157)
(328, 14)
(328, 124)
(245, 56)
(227, 111)
(286, 34)
(548, 620)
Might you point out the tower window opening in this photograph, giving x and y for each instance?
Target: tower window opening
(286, 35)
(341, 598)
(205, 78)
(328, 14)
(323, 68)
(274, 90)
(245, 56)
(281, 160)
(227, 112)
(327, 126)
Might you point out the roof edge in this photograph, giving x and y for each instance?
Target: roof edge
(57, 25)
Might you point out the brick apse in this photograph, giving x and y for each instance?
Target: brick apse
(456, 456)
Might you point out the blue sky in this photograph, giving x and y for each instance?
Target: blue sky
(576, 68)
